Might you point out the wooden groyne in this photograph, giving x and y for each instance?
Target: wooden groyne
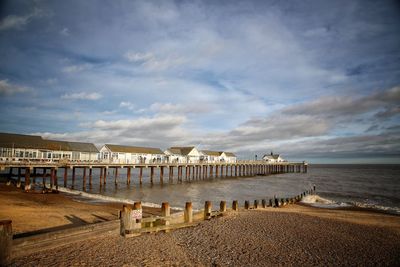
(30, 171)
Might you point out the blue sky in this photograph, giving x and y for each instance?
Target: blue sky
(314, 80)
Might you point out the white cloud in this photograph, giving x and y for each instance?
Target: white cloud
(127, 105)
(18, 22)
(82, 96)
(138, 57)
(65, 32)
(75, 68)
(7, 89)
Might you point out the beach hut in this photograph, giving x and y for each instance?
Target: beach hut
(131, 154)
(228, 157)
(188, 154)
(212, 156)
(17, 147)
(273, 158)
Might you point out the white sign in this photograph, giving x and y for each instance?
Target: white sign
(137, 214)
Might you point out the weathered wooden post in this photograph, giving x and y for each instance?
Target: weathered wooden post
(65, 176)
(56, 178)
(73, 177)
(84, 178)
(165, 212)
(105, 175)
(235, 205)
(10, 174)
(207, 210)
(151, 174)
(27, 179)
(276, 202)
(128, 175)
(256, 204)
(130, 219)
(246, 205)
(270, 203)
(140, 175)
(161, 174)
(188, 213)
(6, 239)
(19, 178)
(116, 175)
(222, 206)
(101, 177)
(90, 175)
(171, 173)
(263, 203)
(34, 176)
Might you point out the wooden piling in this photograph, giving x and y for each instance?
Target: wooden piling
(263, 203)
(188, 213)
(101, 177)
(222, 206)
(256, 204)
(73, 177)
(116, 175)
(84, 178)
(161, 174)
(10, 174)
(55, 178)
(27, 179)
(19, 178)
(105, 175)
(140, 175)
(246, 205)
(90, 175)
(235, 205)
(207, 210)
(6, 240)
(65, 176)
(165, 209)
(128, 175)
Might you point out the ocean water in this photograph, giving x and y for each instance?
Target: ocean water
(364, 186)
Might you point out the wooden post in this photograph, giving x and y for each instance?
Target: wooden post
(65, 176)
(263, 203)
(51, 178)
(84, 178)
(105, 175)
(161, 174)
(34, 176)
(171, 174)
(216, 171)
(73, 177)
(116, 175)
(193, 173)
(10, 173)
(101, 176)
(270, 204)
(44, 178)
(207, 210)
(6, 239)
(235, 205)
(90, 175)
(165, 209)
(256, 204)
(211, 171)
(246, 205)
(151, 174)
(56, 178)
(27, 179)
(140, 174)
(188, 213)
(236, 169)
(222, 206)
(130, 218)
(19, 178)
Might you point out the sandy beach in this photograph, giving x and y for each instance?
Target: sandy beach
(292, 235)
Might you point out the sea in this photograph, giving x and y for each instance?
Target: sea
(373, 187)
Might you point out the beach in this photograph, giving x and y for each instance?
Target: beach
(292, 235)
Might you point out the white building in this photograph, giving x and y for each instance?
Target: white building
(17, 147)
(184, 155)
(131, 154)
(211, 156)
(273, 158)
(228, 157)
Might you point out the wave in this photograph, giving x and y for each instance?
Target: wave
(103, 198)
(320, 202)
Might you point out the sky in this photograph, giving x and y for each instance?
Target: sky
(311, 80)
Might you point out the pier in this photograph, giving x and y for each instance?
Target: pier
(30, 171)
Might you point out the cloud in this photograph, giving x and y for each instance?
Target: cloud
(138, 57)
(65, 32)
(7, 89)
(75, 68)
(82, 96)
(127, 105)
(18, 22)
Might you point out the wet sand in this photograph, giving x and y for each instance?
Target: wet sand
(293, 235)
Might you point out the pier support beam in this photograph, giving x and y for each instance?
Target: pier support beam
(140, 175)
(84, 179)
(73, 177)
(19, 178)
(90, 175)
(101, 177)
(128, 175)
(65, 176)
(27, 179)
(151, 175)
(116, 175)
(161, 174)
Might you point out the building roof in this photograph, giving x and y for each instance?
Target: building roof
(211, 153)
(181, 150)
(229, 154)
(37, 142)
(134, 149)
(8, 140)
(274, 156)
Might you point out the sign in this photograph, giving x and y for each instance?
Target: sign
(137, 214)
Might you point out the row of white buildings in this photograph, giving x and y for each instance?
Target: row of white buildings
(16, 147)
